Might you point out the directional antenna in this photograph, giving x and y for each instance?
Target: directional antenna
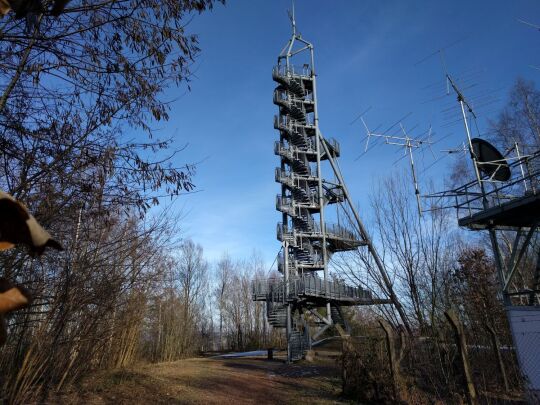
(460, 149)
(490, 161)
(536, 26)
(408, 143)
(292, 18)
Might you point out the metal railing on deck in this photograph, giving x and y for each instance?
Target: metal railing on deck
(286, 122)
(288, 204)
(270, 289)
(286, 177)
(525, 181)
(315, 260)
(314, 286)
(293, 151)
(283, 70)
(307, 285)
(333, 144)
(333, 231)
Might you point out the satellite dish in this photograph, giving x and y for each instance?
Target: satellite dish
(490, 161)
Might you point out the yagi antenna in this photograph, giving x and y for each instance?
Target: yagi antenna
(460, 149)
(408, 144)
(464, 105)
(537, 27)
(460, 97)
(529, 24)
(292, 18)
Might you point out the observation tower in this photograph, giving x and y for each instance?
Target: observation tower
(305, 300)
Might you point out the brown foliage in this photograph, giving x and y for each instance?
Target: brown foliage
(79, 89)
(476, 289)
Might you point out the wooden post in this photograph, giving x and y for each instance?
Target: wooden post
(392, 358)
(402, 344)
(345, 353)
(461, 343)
(497, 349)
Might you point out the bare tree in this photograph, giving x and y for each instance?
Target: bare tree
(417, 252)
(519, 121)
(193, 284)
(224, 279)
(256, 270)
(79, 89)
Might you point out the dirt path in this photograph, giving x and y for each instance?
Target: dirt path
(213, 381)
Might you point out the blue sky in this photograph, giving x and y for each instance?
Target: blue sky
(367, 54)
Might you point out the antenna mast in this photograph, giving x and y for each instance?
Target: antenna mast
(293, 19)
(503, 198)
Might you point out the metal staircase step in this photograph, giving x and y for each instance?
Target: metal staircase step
(277, 316)
(298, 345)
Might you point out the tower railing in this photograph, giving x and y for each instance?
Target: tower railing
(283, 71)
(293, 151)
(282, 95)
(333, 144)
(289, 204)
(307, 285)
(289, 177)
(333, 231)
(314, 261)
(284, 122)
(525, 182)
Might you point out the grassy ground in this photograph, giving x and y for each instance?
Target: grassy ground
(214, 381)
(236, 381)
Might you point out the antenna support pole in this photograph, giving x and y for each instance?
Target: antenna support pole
(492, 234)
(416, 191)
(471, 149)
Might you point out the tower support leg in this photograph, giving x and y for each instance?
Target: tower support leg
(288, 333)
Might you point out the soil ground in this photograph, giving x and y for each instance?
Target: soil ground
(215, 381)
(245, 380)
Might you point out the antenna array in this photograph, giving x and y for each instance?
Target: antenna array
(408, 144)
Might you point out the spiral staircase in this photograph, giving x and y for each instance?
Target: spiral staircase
(306, 301)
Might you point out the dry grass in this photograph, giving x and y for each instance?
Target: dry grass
(213, 381)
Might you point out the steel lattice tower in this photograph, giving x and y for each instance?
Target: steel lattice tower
(308, 241)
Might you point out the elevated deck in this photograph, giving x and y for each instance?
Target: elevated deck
(517, 213)
(339, 239)
(504, 205)
(312, 289)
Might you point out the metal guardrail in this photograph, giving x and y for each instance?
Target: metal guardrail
(339, 231)
(315, 260)
(282, 95)
(334, 194)
(287, 177)
(333, 144)
(283, 70)
(333, 231)
(288, 204)
(314, 286)
(293, 152)
(307, 285)
(525, 182)
(285, 122)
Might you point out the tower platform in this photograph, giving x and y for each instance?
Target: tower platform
(514, 214)
(513, 204)
(311, 289)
